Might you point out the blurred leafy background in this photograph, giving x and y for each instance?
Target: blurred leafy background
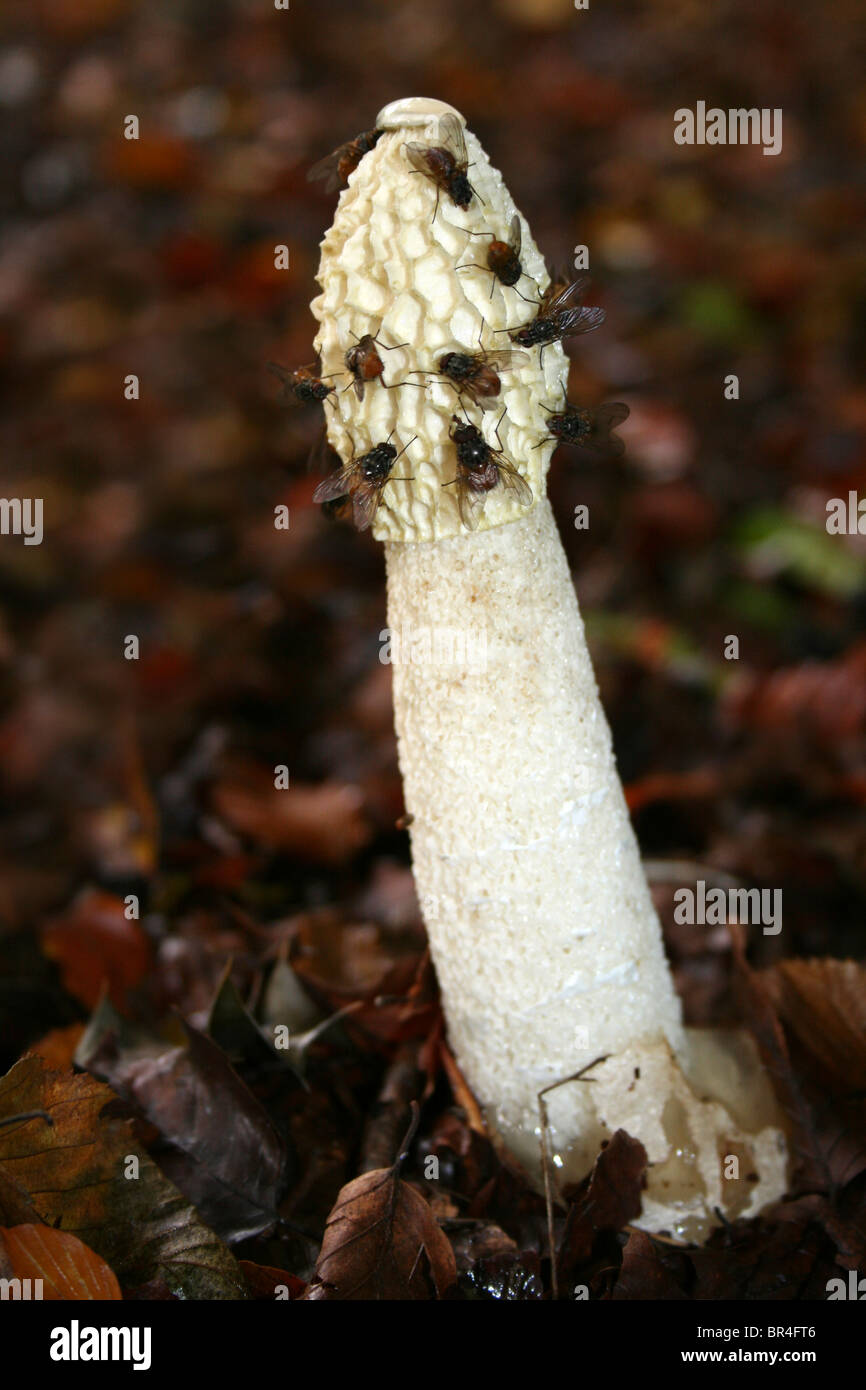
(259, 647)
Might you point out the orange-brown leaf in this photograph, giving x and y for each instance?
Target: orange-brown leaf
(76, 1170)
(324, 823)
(823, 1002)
(382, 1242)
(69, 1269)
(97, 946)
(264, 1280)
(57, 1047)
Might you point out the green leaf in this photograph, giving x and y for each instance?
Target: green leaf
(715, 311)
(777, 542)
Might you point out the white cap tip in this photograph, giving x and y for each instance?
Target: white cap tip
(413, 111)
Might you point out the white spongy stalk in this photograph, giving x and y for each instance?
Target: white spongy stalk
(545, 938)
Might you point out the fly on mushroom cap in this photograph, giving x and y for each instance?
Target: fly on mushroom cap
(389, 267)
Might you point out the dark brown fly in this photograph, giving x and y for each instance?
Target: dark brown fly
(365, 364)
(364, 479)
(558, 317)
(476, 374)
(444, 164)
(302, 385)
(335, 169)
(481, 468)
(503, 258)
(590, 429)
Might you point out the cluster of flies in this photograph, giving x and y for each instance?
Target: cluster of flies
(473, 375)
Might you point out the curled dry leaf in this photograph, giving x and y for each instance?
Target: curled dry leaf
(232, 1027)
(762, 1020)
(609, 1200)
(68, 1268)
(78, 1171)
(226, 1156)
(96, 946)
(267, 1283)
(823, 1003)
(461, 1090)
(826, 699)
(644, 1273)
(788, 1258)
(341, 958)
(286, 1002)
(357, 960)
(382, 1242)
(57, 1047)
(323, 823)
(387, 1121)
(472, 1241)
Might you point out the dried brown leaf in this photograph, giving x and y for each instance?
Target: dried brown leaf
(78, 1172)
(229, 1161)
(643, 1273)
(97, 947)
(68, 1268)
(324, 823)
(611, 1199)
(268, 1283)
(763, 1022)
(382, 1242)
(823, 1003)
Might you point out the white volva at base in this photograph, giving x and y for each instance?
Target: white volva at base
(544, 936)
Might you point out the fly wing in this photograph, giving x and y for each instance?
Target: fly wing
(573, 321)
(514, 482)
(365, 501)
(328, 170)
(514, 236)
(285, 375)
(451, 137)
(504, 361)
(605, 419)
(341, 481)
(565, 296)
(611, 414)
(470, 505)
(417, 156)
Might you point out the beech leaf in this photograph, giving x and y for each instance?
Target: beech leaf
(68, 1268)
(610, 1199)
(227, 1159)
(382, 1242)
(74, 1172)
(823, 1002)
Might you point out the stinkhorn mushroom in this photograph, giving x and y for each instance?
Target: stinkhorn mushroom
(542, 929)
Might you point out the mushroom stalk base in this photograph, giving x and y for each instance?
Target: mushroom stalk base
(544, 936)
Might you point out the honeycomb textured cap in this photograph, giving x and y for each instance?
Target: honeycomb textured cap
(389, 267)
